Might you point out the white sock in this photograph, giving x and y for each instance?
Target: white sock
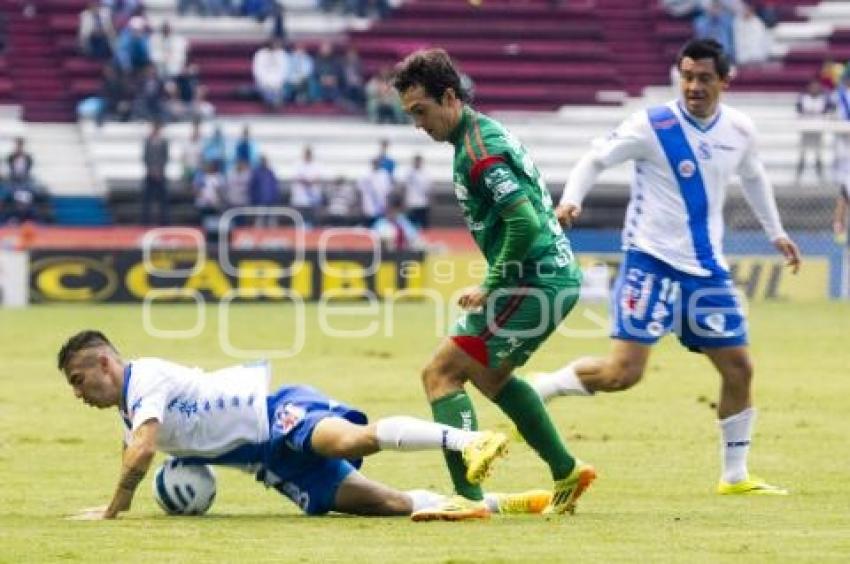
(408, 433)
(563, 382)
(422, 499)
(492, 502)
(735, 444)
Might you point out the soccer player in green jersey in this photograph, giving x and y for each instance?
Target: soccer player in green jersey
(531, 284)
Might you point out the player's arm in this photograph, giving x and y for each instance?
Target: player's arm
(759, 195)
(136, 460)
(842, 204)
(522, 226)
(627, 142)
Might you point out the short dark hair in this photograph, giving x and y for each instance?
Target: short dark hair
(433, 70)
(706, 49)
(81, 341)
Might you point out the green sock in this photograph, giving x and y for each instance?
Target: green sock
(455, 410)
(521, 403)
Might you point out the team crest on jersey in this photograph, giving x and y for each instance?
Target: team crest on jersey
(704, 150)
(687, 168)
(290, 416)
(495, 176)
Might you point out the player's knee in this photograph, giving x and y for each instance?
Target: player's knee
(438, 380)
(739, 371)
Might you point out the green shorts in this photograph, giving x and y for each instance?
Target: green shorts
(517, 320)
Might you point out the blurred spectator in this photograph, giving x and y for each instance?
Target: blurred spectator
(190, 155)
(752, 38)
(258, 9)
(395, 230)
(246, 148)
(155, 187)
(417, 194)
(271, 67)
(210, 195)
(296, 84)
(716, 23)
(841, 101)
(264, 191)
(374, 188)
(150, 95)
(831, 73)
(385, 161)
(168, 51)
(684, 9)
(187, 83)
(768, 12)
(239, 184)
(306, 189)
(341, 197)
(5, 203)
(215, 149)
(19, 164)
(812, 104)
(353, 90)
(117, 95)
(363, 8)
(842, 206)
(200, 107)
(278, 19)
(20, 206)
(199, 6)
(123, 11)
(95, 35)
(382, 101)
(328, 74)
(132, 52)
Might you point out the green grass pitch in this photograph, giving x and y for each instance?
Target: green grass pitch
(655, 447)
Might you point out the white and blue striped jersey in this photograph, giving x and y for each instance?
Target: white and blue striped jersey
(681, 171)
(221, 415)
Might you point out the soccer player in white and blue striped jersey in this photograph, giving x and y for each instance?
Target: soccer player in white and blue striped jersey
(674, 276)
(296, 440)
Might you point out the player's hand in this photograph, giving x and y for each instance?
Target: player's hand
(89, 514)
(567, 214)
(472, 298)
(791, 253)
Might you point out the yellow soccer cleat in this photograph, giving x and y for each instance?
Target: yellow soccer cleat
(456, 508)
(568, 490)
(531, 502)
(480, 454)
(751, 485)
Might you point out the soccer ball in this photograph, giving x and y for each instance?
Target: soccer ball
(184, 489)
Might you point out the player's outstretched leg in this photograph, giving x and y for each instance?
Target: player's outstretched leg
(358, 495)
(335, 437)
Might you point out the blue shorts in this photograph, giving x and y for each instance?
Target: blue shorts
(290, 465)
(650, 299)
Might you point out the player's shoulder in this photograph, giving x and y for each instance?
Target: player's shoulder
(154, 368)
(490, 131)
(739, 121)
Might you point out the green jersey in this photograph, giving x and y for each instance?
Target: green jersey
(492, 172)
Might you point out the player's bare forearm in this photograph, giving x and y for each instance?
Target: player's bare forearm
(137, 460)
